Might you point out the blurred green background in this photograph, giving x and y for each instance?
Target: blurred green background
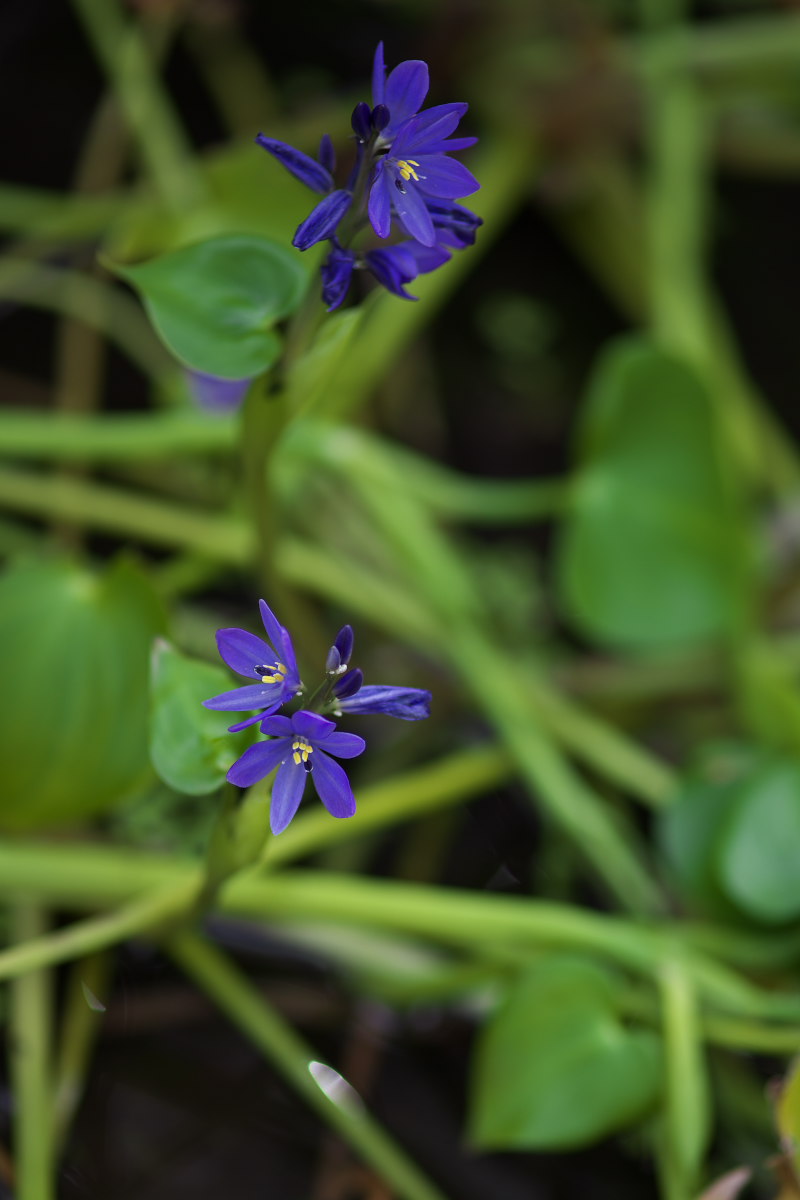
(556, 951)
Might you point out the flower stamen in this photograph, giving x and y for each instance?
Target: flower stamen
(272, 675)
(302, 749)
(406, 167)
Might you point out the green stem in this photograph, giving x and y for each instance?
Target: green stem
(126, 514)
(142, 914)
(30, 1043)
(110, 438)
(247, 1009)
(686, 1117)
(159, 137)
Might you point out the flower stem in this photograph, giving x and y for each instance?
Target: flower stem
(247, 1009)
(30, 1048)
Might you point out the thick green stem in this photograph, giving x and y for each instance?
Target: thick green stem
(247, 1009)
(80, 1027)
(31, 1066)
(686, 1115)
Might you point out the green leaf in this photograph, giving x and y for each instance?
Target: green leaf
(190, 746)
(689, 830)
(787, 1111)
(73, 714)
(653, 551)
(214, 303)
(758, 856)
(555, 1068)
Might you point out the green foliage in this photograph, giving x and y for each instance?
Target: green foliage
(190, 746)
(759, 847)
(73, 737)
(653, 552)
(555, 1067)
(215, 303)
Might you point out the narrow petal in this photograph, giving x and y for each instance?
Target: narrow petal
(326, 154)
(406, 89)
(312, 726)
(349, 683)
(378, 76)
(380, 201)
(257, 762)
(287, 792)
(413, 214)
(393, 268)
(449, 145)
(344, 642)
(271, 623)
(304, 168)
(343, 745)
(430, 126)
(336, 271)
(428, 258)
(322, 221)
(259, 716)
(278, 727)
(243, 699)
(445, 177)
(289, 659)
(243, 651)
(409, 704)
(333, 786)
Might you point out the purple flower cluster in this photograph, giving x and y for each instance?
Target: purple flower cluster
(402, 174)
(307, 742)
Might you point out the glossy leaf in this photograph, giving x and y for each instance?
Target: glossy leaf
(555, 1068)
(190, 746)
(758, 861)
(653, 551)
(214, 303)
(73, 714)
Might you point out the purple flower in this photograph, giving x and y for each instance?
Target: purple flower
(272, 662)
(416, 169)
(300, 746)
(409, 704)
(403, 172)
(215, 394)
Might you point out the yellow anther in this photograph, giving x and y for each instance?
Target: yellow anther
(301, 751)
(277, 677)
(406, 166)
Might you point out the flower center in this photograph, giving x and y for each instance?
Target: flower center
(301, 749)
(273, 674)
(406, 168)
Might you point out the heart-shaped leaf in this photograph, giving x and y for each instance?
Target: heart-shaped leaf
(554, 1067)
(214, 303)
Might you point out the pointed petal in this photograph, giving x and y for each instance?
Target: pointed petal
(448, 145)
(303, 167)
(428, 127)
(312, 726)
(271, 623)
(257, 762)
(378, 76)
(287, 792)
(445, 177)
(413, 215)
(406, 89)
(289, 660)
(409, 704)
(344, 745)
(322, 221)
(349, 683)
(259, 716)
(393, 267)
(380, 201)
(333, 786)
(243, 699)
(278, 727)
(243, 651)
(326, 153)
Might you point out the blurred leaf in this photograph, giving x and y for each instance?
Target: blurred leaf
(190, 746)
(73, 716)
(653, 551)
(689, 829)
(767, 694)
(555, 1068)
(214, 303)
(758, 861)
